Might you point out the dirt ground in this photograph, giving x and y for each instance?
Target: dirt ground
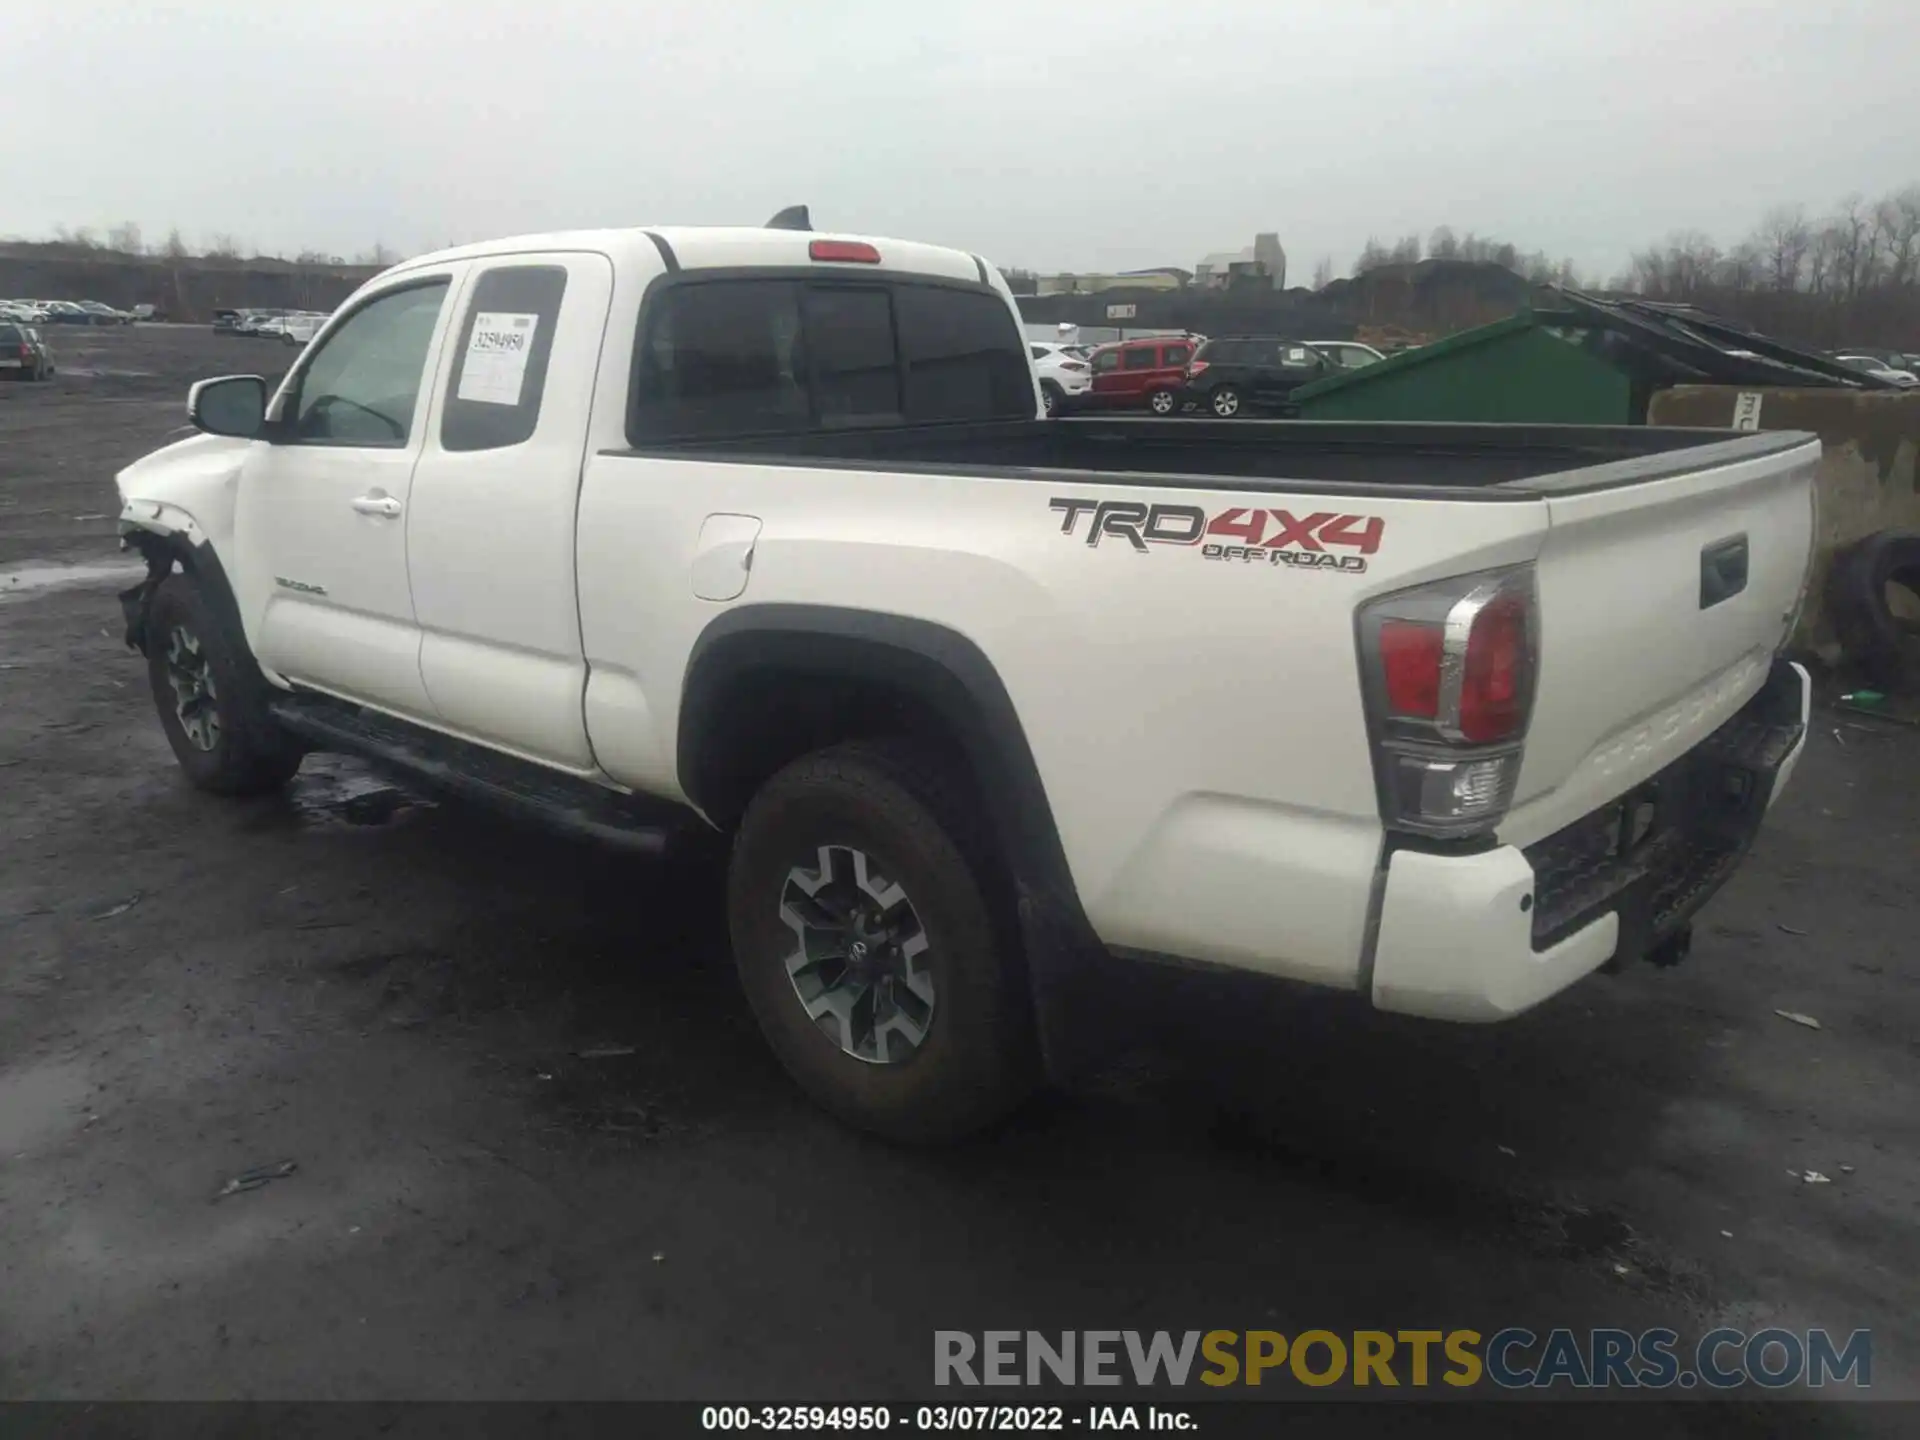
(541, 1152)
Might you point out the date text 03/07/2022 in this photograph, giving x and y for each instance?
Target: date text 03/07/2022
(943, 1418)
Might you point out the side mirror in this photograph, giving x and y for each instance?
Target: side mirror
(233, 405)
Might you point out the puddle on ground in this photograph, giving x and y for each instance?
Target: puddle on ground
(38, 1101)
(331, 790)
(28, 579)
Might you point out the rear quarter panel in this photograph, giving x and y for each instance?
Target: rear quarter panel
(1196, 721)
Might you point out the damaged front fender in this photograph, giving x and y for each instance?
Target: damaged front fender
(176, 510)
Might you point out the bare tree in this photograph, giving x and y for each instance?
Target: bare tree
(124, 239)
(173, 247)
(1853, 257)
(1783, 240)
(1444, 244)
(222, 246)
(1372, 257)
(1896, 223)
(1323, 272)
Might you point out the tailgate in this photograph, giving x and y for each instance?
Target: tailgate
(1662, 604)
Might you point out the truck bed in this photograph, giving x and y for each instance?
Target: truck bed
(1493, 462)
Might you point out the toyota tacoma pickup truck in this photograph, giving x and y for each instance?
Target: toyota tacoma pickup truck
(760, 533)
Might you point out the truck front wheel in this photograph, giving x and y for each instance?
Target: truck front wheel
(874, 944)
(214, 718)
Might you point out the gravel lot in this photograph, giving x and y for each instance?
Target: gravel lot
(541, 1152)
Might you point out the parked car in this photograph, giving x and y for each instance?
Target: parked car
(26, 312)
(65, 312)
(255, 322)
(104, 314)
(1880, 369)
(1064, 376)
(1467, 754)
(148, 312)
(1140, 374)
(227, 322)
(1236, 374)
(1348, 354)
(23, 354)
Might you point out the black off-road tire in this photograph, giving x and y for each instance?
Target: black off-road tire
(249, 753)
(909, 808)
(1883, 645)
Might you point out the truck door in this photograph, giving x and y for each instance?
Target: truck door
(490, 539)
(321, 517)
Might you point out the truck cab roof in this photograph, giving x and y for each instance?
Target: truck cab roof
(703, 247)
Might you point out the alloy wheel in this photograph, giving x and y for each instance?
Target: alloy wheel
(859, 964)
(196, 703)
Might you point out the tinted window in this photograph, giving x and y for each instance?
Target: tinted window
(360, 387)
(500, 365)
(720, 359)
(1142, 359)
(10, 335)
(1039, 352)
(856, 372)
(1175, 355)
(962, 354)
(739, 357)
(1107, 360)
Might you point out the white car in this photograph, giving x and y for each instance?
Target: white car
(663, 531)
(1064, 373)
(295, 329)
(1879, 369)
(1347, 354)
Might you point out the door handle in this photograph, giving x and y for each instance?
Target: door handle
(377, 505)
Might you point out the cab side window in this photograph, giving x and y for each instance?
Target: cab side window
(360, 387)
(500, 365)
(1144, 358)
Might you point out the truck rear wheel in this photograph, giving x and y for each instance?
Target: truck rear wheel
(210, 706)
(874, 944)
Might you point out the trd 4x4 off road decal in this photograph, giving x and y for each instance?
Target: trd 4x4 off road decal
(1244, 533)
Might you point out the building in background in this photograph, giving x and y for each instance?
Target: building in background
(1262, 263)
(1165, 277)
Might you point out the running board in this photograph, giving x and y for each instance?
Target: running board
(485, 777)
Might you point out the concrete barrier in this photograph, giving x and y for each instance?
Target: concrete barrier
(1867, 479)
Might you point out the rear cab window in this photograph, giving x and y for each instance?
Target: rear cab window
(780, 355)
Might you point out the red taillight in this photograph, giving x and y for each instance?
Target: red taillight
(1449, 670)
(26, 352)
(1410, 663)
(1072, 365)
(1196, 369)
(1492, 682)
(855, 252)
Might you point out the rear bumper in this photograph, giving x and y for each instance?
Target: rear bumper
(1482, 937)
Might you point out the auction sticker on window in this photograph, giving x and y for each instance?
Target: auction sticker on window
(496, 359)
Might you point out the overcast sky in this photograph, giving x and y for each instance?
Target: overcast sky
(1076, 134)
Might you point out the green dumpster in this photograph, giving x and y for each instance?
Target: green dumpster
(1535, 367)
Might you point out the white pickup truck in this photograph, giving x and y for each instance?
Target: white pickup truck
(759, 531)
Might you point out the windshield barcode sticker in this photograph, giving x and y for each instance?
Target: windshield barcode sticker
(496, 360)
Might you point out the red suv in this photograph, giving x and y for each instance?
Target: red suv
(1131, 373)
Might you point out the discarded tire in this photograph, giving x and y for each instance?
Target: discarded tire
(1884, 644)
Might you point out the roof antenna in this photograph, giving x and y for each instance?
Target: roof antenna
(794, 217)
